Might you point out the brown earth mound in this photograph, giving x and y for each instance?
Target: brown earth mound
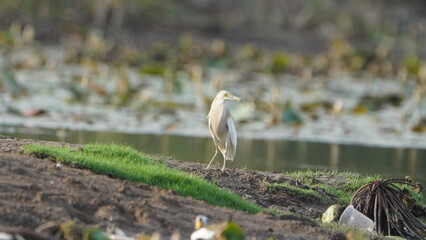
(34, 191)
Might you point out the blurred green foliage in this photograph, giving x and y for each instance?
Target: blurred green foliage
(362, 37)
(280, 62)
(370, 19)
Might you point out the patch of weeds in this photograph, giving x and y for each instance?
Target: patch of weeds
(299, 191)
(126, 163)
(350, 231)
(340, 184)
(278, 212)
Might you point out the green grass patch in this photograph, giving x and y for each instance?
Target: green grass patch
(125, 162)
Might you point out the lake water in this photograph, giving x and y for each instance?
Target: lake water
(266, 155)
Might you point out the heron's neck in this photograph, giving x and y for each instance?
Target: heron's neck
(218, 107)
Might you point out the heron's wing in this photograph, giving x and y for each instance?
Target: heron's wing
(212, 132)
(232, 131)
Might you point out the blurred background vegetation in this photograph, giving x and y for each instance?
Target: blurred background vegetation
(378, 36)
(294, 26)
(165, 38)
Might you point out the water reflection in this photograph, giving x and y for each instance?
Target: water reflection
(277, 155)
(334, 155)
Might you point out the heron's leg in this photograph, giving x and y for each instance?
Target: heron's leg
(212, 159)
(224, 162)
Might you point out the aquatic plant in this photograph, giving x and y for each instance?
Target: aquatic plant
(390, 206)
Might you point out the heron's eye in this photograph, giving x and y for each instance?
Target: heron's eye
(226, 95)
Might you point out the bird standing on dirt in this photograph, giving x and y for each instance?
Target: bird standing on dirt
(222, 127)
(221, 231)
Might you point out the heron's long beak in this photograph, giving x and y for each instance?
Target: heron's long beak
(235, 98)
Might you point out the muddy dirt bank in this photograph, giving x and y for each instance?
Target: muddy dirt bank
(34, 191)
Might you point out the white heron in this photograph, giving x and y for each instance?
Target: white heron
(222, 127)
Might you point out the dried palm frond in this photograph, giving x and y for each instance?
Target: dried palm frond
(389, 206)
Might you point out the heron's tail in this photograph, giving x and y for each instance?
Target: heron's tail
(230, 154)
